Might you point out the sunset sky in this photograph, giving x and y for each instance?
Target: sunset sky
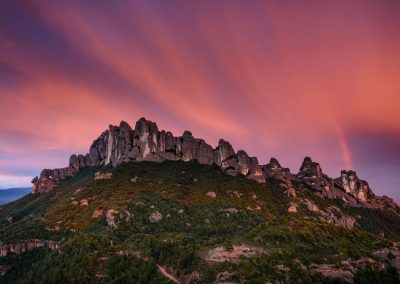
(276, 78)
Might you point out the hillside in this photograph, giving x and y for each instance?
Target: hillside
(145, 206)
(118, 237)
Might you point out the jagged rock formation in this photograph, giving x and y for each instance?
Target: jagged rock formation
(120, 144)
(348, 187)
(350, 183)
(48, 178)
(28, 245)
(311, 175)
(274, 170)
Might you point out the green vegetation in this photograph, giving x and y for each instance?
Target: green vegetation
(244, 212)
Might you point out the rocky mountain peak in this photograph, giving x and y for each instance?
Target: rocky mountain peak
(121, 144)
(350, 183)
(274, 164)
(187, 133)
(310, 169)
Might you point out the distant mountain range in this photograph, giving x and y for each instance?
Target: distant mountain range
(11, 194)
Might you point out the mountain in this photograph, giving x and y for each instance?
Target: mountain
(10, 194)
(144, 206)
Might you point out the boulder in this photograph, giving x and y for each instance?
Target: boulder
(128, 216)
(211, 194)
(231, 210)
(155, 217)
(292, 208)
(311, 206)
(99, 176)
(10, 219)
(111, 218)
(97, 213)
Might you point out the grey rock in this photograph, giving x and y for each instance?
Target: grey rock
(111, 218)
(27, 245)
(99, 176)
(244, 163)
(189, 146)
(155, 217)
(351, 184)
(145, 137)
(223, 152)
(205, 153)
(120, 144)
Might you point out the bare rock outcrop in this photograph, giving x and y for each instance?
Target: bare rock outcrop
(274, 170)
(27, 245)
(292, 208)
(234, 254)
(43, 183)
(351, 184)
(330, 271)
(155, 217)
(120, 144)
(99, 176)
(48, 178)
(211, 194)
(97, 213)
(311, 206)
(335, 216)
(312, 176)
(111, 218)
(391, 255)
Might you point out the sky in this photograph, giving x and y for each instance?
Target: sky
(284, 79)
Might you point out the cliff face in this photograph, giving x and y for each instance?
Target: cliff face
(120, 144)
(28, 245)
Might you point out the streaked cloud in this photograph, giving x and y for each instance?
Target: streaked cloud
(276, 79)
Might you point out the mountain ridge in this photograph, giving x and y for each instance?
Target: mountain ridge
(120, 144)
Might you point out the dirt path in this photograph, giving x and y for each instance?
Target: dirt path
(166, 274)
